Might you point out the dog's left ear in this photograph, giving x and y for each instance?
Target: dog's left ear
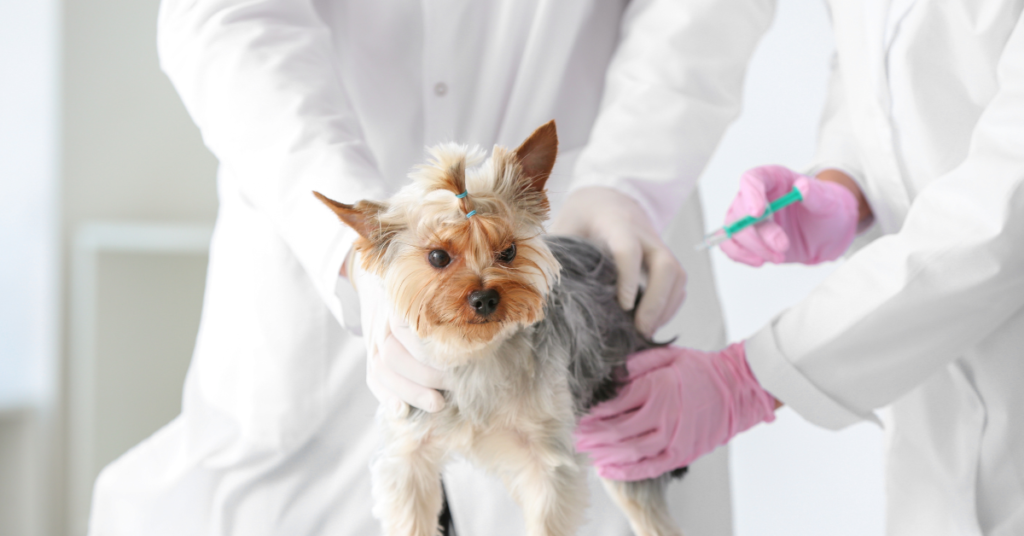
(365, 218)
(537, 155)
(361, 217)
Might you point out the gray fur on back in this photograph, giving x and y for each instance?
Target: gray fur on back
(583, 319)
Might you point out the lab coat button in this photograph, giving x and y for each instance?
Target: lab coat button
(440, 89)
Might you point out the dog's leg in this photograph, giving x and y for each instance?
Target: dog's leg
(542, 473)
(644, 504)
(406, 477)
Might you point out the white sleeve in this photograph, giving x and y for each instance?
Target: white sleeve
(260, 80)
(674, 84)
(912, 302)
(837, 149)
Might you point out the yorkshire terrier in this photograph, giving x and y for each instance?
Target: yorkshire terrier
(527, 326)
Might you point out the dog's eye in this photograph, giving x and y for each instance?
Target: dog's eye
(508, 254)
(439, 258)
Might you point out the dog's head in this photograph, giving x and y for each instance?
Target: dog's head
(459, 249)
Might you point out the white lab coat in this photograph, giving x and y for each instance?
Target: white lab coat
(292, 96)
(926, 112)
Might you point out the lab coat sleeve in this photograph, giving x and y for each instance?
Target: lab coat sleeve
(911, 302)
(259, 79)
(673, 86)
(836, 148)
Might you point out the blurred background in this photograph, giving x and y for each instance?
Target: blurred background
(107, 200)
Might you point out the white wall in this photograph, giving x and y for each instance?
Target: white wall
(28, 209)
(788, 477)
(132, 158)
(29, 70)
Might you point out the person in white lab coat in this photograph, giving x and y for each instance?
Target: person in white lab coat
(275, 434)
(923, 141)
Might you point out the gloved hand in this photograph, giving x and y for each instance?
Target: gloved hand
(678, 405)
(818, 229)
(395, 370)
(615, 220)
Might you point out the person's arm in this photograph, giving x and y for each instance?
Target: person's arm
(909, 303)
(836, 157)
(891, 316)
(834, 208)
(676, 405)
(259, 79)
(673, 86)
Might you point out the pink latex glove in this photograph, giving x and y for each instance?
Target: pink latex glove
(677, 405)
(818, 229)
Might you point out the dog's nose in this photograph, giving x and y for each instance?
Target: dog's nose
(484, 302)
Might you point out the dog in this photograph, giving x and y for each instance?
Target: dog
(526, 325)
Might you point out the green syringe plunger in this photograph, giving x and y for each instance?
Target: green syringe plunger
(726, 232)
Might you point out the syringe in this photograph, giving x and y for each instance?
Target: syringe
(725, 232)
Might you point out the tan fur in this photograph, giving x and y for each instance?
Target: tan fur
(526, 444)
(426, 215)
(644, 506)
(502, 412)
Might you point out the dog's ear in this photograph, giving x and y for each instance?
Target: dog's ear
(537, 155)
(361, 217)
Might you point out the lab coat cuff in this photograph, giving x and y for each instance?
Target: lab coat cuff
(850, 171)
(780, 377)
(341, 298)
(348, 298)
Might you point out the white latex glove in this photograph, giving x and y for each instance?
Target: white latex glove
(614, 219)
(395, 370)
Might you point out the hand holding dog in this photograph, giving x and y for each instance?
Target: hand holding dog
(678, 405)
(819, 229)
(395, 370)
(615, 220)
(482, 288)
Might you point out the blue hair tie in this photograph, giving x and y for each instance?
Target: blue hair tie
(460, 196)
(470, 213)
